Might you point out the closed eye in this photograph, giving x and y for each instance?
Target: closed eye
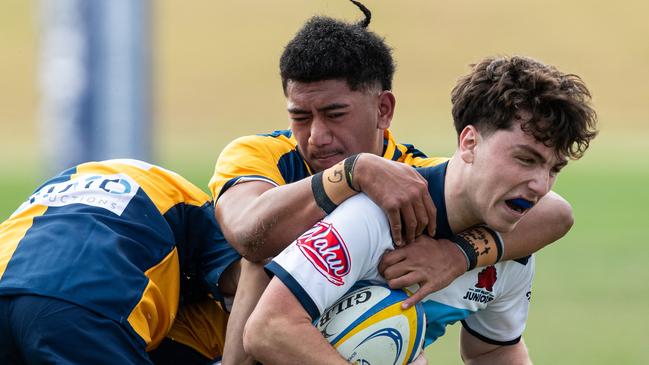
(300, 118)
(526, 160)
(335, 115)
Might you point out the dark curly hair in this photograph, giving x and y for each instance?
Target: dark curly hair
(326, 49)
(490, 96)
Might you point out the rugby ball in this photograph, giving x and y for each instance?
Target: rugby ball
(367, 326)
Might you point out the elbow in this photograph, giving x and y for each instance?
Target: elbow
(248, 246)
(564, 218)
(253, 255)
(256, 337)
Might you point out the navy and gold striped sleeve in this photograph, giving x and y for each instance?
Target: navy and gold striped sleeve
(271, 157)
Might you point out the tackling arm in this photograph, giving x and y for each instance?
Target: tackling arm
(260, 220)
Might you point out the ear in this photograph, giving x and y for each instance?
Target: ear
(469, 138)
(386, 109)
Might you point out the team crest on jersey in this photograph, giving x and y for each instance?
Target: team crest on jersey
(483, 290)
(325, 249)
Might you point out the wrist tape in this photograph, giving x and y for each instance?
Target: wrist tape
(481, 245)
(333, 185)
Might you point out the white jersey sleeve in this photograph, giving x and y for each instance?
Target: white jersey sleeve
(502, 322)
(327, 260)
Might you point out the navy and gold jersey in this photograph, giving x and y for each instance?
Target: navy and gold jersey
(115, 237)
(274, 158)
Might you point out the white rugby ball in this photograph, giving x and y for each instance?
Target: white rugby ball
(367, 326)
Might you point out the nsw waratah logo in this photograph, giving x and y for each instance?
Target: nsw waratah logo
(325, 249)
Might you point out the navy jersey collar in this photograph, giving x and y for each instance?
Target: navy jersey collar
(435, 176)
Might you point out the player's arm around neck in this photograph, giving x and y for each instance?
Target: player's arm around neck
(280, 332)
(550, 219)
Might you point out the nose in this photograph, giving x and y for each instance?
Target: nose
(541, 182)
(321, 134)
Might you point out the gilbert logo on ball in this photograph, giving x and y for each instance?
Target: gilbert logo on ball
(325, 249)
(367, 326)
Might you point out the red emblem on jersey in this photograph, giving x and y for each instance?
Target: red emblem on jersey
(487, 278)
(324, 248)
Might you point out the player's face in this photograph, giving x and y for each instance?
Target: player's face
(331, 122)
(510, 172)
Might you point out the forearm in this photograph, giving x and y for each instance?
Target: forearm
(550, 219)
(280, 332)
(261, 221)
(252, 283)
(290, 343)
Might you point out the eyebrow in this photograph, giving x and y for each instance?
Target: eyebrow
(323, 109)
(559, 164)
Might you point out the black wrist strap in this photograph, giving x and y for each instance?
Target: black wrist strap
(320, 195)
(349, 164)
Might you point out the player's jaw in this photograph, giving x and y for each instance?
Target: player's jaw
(509, 210)
(321, 159)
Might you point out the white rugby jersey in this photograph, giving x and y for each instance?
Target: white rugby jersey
(346, 246)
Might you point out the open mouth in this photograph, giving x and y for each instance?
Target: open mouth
(519, 204)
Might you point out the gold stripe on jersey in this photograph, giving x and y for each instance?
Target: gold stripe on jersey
(13, 230)
(162, 186)
(201, 326)
(153, 315)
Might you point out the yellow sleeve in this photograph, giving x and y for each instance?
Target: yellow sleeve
(250, 158)
(201, 326)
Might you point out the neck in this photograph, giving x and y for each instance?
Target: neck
(380, 147)
(459, 209)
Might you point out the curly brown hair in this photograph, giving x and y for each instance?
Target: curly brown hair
(561, 113)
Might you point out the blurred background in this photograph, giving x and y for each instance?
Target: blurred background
(211, 71)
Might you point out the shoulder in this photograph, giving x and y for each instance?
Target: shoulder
(280, 139)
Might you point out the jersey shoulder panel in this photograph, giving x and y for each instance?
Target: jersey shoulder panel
(271, 157)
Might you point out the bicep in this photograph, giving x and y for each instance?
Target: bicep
(239, 197)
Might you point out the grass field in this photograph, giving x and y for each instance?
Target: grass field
(216, 78)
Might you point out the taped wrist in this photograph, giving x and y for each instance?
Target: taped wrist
(481, 245)
(331, 187)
